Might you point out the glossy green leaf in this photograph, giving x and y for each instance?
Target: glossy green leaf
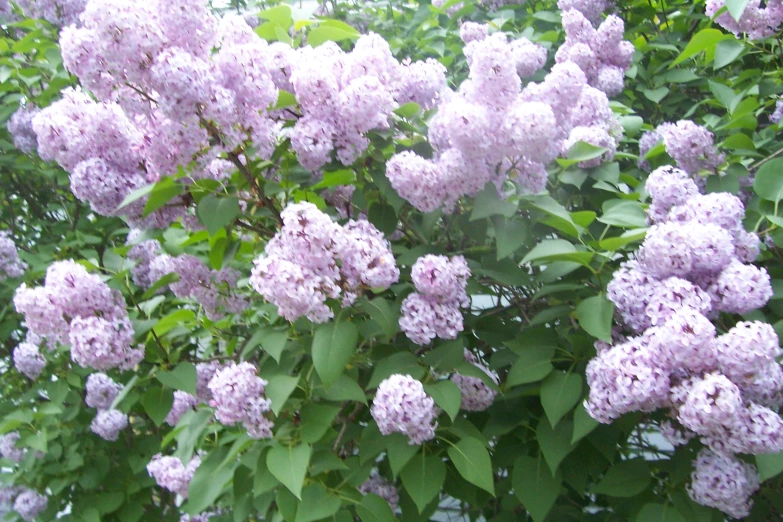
(446, 394)
(535, 486)
(768, 183)
(215, 212)
(533, 364)
(423, 477)
(157, 403)
(279, 388)
(625, 479)
(182, 377)
(595, 315)
(555, 443)
(289, 465)
(316, 504)
(373, 508)
(334, 345)
(559, 393)
(472, 461)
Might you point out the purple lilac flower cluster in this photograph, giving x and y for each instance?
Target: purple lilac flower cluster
(402, 406)
(299, 270)
(28, 360)
(601, 53)
(20, 125)
(723, 482)
(378, 485)
(108, 424)
(777, 115)
(590, 9)
(434, 309)
(77, 308)
(690, 145)
(342, 96)
(476, 395)
(10, 264)
(8, 448)
(238, 396)
(56, 12)
(29, 504)
(755, 21)
(183, 402)
(724, 389)
(170, 473)
(142, 252)
(212, 289)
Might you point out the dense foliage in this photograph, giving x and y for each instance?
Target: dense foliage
(421, 261)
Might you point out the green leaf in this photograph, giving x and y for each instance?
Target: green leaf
(736, 8)
(316, 421)
(582, 151)
(136, 195)
(555, 443)
(769, 464)
(659, 513)
(423, 478)
(446, 394)
(278, 390)
(274, 343)
(336, 178)
(280, 15)
(407, 110)
(535, 486)
(157, 403)
(379, 311)
(373, 508)
(548, 249)
(726, 52)
(331, 30)
(623, 213)
(471, 459)
(656, 95)
(164, 191)
(446, 356)
(625, 479)
(487, 203)
(383, 217)
(701, 41)
(209, 481)
(316, 504)
(584, 424)
(769, 180)
(216, 212)
(595, 316)
(400, 451)
(182, 377)
(533, 364)
(289, 465)
(402, 362)
(333, 347)
(629, 236)
(559, 217)
(344, 389)
(509, 236)
(559, 393)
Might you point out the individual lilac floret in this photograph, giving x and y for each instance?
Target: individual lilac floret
(171, 474)
(740, 289)
(9, 449)
(723, 482)
(20, 125)
(401, 406)
(101, 391)
(746, 350)
(108, 424)
(10, 264)
(475, 394)
(238, 396)
(378, 485)
(29, 504)
(28, 360)
(183, 402)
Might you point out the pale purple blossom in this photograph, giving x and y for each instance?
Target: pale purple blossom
(171, 474)
(238, 396)
(402, 406)
(108, 424)
(101, 391)
(28, 360)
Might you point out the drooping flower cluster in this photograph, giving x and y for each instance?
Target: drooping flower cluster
(170, 473)
(402, 406)
(29, 504)
(690, 145)
(28, 360)
(476, 395)
(434, 309)
(590, 9)
(77, 308)
(212, 289)
(299, 270)
(108, 424)
(491, 131)
(725, 389)
(10, 264)
(755, 21)
(601, 53)
(142, 253)
(8, 448)
(101, 391)
(238, 396)
(20, 125)
(378, 485)
(342, 96)
(723, 482)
